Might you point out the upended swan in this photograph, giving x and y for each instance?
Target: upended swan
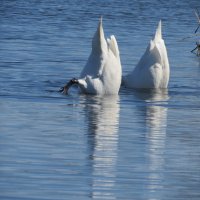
(102, 72)
(152, 71)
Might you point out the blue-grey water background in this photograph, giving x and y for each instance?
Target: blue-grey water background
(137, 145)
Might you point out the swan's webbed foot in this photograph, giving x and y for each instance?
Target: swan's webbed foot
(66, 87)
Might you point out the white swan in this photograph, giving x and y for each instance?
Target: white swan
(102, 72)
(153, 70)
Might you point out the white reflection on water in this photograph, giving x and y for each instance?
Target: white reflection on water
(102, 115)
(156, 122)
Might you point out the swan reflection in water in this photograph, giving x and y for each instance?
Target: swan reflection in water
(156, 123)
(102, 116)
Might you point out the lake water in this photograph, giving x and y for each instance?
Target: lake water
(136, 145)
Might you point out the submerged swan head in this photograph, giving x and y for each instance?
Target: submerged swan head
(102, 72)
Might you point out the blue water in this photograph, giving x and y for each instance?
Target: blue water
(137, 145)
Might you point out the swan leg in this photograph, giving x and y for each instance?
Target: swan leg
(66, 87)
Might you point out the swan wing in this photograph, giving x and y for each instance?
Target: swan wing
(113, 46)
(91, 85)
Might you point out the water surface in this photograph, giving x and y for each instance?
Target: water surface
(136, 145)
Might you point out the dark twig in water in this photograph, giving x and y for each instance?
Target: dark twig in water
(196, 48)
(66, 87)
(198, 18)
(189, 36)
(197, 28)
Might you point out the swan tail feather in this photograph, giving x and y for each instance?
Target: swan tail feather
(158, 34)
(99, 42)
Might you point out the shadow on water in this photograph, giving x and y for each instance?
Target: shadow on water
(102, 118)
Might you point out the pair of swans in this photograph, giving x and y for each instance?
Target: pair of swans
(102, 74)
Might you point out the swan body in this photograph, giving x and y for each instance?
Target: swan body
(152, 71)
(102, 72)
